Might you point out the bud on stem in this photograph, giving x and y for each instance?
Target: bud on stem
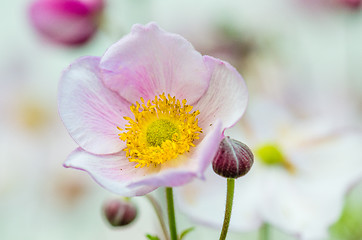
(233, 159)
(119, 212)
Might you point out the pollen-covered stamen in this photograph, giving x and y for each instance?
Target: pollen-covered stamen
(161, 130)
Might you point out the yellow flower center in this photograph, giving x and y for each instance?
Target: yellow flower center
(161, 130)
(270, 154)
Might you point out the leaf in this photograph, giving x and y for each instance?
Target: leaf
(150, 237)
(186, 231)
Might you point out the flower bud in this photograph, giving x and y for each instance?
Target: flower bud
(119, 212)
(233, 159)
(66, 22)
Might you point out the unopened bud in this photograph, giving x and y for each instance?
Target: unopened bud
(119, 212)
(233, 159)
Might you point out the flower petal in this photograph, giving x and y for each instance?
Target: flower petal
(227, 95)
(297, 206)
(114, 172)
(150, 61)
(89, 110)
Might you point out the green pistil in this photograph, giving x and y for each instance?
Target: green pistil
(270, 154)
(159, 131)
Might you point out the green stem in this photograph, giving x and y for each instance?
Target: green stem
(171, 213)
(264, 232)
(158, 211)
(228, 207)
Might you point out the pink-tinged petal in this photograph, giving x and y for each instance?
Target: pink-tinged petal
(114, 172)
(227, 95)
(90, 111)
(187, 166)
(150, 61)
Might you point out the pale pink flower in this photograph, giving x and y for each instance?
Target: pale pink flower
(68, 22)
(162, 147)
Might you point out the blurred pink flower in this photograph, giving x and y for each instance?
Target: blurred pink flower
(67, 22)
(352, 4)
(163, 144)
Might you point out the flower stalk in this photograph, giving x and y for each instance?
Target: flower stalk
(228, 207)
(158, 211)
(264, 232)
(171, 213)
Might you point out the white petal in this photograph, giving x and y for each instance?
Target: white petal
(150, 61)
(226, 98)
(114, 172)
(89, 110)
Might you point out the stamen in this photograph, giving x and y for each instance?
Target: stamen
(161, 130)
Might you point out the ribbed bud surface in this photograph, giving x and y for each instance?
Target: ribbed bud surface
(119, 213)
(233, 159)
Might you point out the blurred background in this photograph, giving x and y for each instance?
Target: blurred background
(303, 54)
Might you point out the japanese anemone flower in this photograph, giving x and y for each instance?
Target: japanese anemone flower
(302, 170)
(150, 112)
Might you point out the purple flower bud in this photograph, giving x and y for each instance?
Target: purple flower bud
(119, 212)
(233, 159)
